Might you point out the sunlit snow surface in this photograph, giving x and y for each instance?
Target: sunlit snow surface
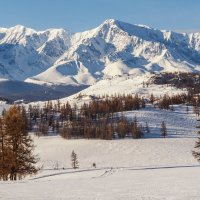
(123, 85)
(152, 168)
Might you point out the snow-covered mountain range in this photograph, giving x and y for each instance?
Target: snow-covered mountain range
(56, 56)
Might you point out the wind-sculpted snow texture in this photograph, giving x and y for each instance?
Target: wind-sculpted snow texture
(112, 49)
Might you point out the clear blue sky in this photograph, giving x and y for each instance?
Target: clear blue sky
(79, 15)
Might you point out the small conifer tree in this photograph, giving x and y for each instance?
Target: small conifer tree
(74, 160)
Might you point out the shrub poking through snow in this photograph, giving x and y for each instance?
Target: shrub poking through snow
(163, 130)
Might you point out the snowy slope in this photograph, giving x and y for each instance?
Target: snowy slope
(132, 84)
(144, 169)
(113, 48)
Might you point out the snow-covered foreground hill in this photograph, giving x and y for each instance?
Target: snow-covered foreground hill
(181, 183)
(152, 168)
(149, 169)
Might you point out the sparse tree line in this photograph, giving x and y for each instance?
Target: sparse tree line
(182, 80)
(166, 102)
(104, 128)
(102, 118)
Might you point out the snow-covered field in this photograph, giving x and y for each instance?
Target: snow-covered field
(152, 168)
(180, 183)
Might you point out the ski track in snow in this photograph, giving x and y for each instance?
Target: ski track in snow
(111, 171)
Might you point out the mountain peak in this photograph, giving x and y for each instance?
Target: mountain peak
(110, 21)
(19, 29)
(131, 29)
(124, 24)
